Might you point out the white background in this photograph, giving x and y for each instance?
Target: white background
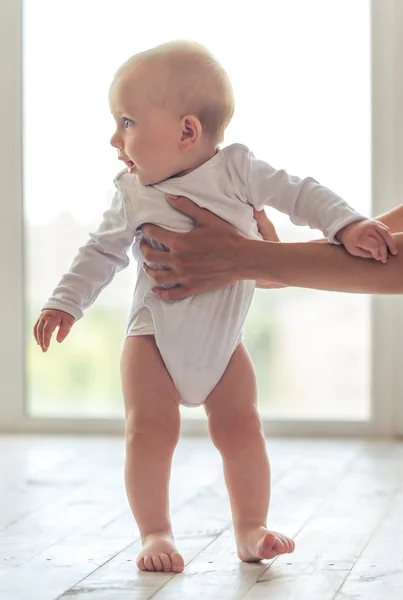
(387, 187)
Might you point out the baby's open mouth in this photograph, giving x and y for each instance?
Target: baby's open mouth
(130, 165)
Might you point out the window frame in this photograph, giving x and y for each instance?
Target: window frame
(387, 186)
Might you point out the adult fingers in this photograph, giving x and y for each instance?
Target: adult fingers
(266, 285)
(177, 293)
(190, 209)
(159, 234)
(186, 290)
(200, 216)
(160, 276)
(158, 257)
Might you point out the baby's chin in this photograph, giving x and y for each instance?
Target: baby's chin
(140, 176)
(146, 179)
(147, 176)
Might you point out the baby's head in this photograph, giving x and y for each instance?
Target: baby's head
(171, 105)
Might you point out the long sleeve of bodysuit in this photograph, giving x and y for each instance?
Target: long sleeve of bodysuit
(96, 263)
(304, 200)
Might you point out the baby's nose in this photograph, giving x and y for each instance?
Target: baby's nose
(116, 142)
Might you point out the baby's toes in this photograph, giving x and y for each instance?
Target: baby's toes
(140, 564)
(279, 546)
(288, 545)
(267, 546)
(148, 562)
(157, 563)
(166, 562)
(177, 562)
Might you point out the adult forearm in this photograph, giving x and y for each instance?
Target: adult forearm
(393, 219)
(213, 254)
(322, 267)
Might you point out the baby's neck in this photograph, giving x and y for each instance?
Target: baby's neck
(197, 160)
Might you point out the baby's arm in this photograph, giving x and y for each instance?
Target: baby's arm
(309, 203)
(93, 269)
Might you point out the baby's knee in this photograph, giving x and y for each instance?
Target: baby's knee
(149, 429)
(236, 430)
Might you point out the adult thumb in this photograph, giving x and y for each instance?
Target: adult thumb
(265, 226)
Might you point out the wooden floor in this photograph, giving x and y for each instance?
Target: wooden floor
(66, 531)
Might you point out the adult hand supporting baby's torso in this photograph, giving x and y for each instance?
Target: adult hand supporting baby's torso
(210, 256)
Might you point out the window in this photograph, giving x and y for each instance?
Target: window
(301, 75)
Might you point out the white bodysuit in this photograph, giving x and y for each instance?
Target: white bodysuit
(196, 336)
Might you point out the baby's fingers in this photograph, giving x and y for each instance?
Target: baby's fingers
(380, 249)
(47, 332)
(358, 251)
(383, 251)
(35, 331)
(370, 247)
(64, 330)
(388, 239)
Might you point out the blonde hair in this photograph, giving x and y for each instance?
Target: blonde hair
(190, 80)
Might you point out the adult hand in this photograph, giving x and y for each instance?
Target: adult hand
(205, 259)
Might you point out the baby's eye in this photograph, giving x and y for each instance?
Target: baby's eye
(127, 123)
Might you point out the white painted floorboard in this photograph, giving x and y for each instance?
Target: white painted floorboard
(66, 530)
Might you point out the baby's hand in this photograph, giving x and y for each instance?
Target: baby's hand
(368, 239)
(46, 324)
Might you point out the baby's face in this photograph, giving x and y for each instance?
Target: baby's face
(146, 137)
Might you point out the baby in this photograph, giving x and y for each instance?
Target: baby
(171, 105)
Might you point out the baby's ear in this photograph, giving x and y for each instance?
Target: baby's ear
(191, 132)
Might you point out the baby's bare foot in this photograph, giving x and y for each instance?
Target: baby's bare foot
(258, 543)
(159, 554)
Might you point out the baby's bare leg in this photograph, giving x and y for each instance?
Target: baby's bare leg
(236, 431)
(152, 432)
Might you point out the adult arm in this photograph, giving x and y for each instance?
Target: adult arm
(393, 219)
(327, 267)
(213, 254)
